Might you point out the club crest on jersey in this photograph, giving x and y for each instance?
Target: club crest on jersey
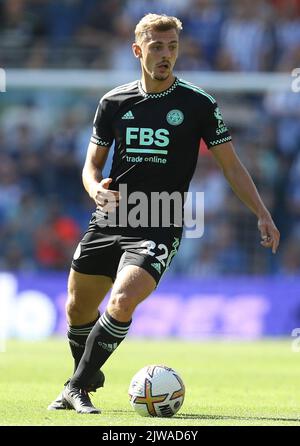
(175, 117)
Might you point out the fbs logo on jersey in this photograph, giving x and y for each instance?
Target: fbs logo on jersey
(146, 137)
(175, 117)
(156, 266)
(128, 115)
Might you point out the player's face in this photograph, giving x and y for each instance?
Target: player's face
(159, 53)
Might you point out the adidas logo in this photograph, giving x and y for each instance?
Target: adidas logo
(157, 266)
(109, 347)
(128, 115)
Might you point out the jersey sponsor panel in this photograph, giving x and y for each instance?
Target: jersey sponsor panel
(157, 135)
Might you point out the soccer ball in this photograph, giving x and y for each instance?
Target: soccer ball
(156, 391)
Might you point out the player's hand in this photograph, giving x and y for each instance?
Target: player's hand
(269, 233)
(107, 200)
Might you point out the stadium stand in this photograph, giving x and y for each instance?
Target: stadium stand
(44, 135)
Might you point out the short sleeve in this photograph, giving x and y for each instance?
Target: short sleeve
(214, 130)
(102, 128)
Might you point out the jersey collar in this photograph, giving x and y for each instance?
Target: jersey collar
(158, 95)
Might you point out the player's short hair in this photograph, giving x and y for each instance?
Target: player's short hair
(156, 22)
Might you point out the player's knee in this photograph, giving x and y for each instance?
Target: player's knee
(72, 309)
(122, 303)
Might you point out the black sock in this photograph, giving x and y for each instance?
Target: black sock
(77, 335)
(104, 338)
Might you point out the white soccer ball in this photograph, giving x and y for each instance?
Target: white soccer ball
(156, 391)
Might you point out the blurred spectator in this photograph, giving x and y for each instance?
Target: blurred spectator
(56, 239)
(20, 32)
(230, 257)
(246, 40)
(287, 30)
(191, 57)
(202, 23)
(63, 175)
(136, 9)
(282, 5)
(293, 194)
(284, 107)
(121, 55)
(220, 255)
(94, 36)
(15, 259)
(290, 59)
(64, 17)
(25, 115)
(290, 258)
(10, 188)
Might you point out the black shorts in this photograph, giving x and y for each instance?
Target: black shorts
(105, 251)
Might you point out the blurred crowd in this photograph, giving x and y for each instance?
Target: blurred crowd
(231, 35)
(44, 208)
(44, 135)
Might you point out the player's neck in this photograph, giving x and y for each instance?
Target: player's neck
(150, 85)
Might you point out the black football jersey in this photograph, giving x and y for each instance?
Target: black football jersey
(157, 135)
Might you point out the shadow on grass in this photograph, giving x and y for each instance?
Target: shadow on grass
(191, 416)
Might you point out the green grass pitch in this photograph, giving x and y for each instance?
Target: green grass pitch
(227, 383)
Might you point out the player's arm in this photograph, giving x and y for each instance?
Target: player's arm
(93, 181)
(244, 187)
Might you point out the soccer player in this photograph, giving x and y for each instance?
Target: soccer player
(156, 124)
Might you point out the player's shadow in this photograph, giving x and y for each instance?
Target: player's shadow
(189, 416)
(192, 416)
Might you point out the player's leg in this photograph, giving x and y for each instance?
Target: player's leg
(85, 293)
(94, 266)
(133, 284)
(140, 269)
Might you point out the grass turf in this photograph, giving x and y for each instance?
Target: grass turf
(227, 383)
